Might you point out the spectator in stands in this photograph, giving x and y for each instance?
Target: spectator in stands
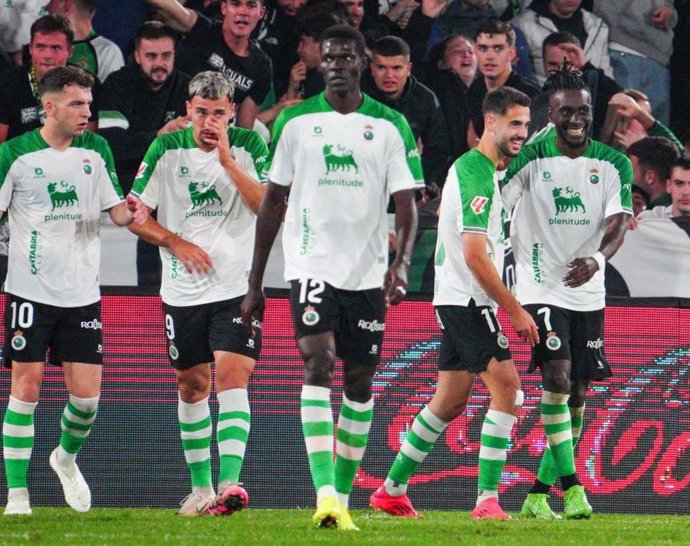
(640, 199)
(20, 107)
(143, 99)
(678, 188)
(651, 159)
(389, 80)
(225, 47)
(640, 47)
(276, 34)
(16, 19)
(451, 70)
(564, 46)
(494, 46)
(92, 52)
(629, 119)
(138, 103)
(546, 16)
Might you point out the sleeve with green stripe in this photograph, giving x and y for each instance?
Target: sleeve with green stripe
(414, 162)
(147, 186)
(6, 186)
(256, 146)
(113, 184)
(516, 178)
(619, 192)
(475, 175)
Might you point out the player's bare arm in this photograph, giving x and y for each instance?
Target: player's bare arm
(484, 271)
(175, 14)
(581, 270)
(395, 279)
(193, 257)
(251, 191)
(267, 225)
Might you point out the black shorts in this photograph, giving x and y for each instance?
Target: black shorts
(577, 336)
(195, 331)
(472, 336)
(73, 334)
(356, 317)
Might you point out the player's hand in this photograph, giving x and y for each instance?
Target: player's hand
(252, 305)
(193, 257)
(525, 326)
(634, 223)
(395, 283)
(581, 270)
(140, 212)
(398, 11)
(221, 131)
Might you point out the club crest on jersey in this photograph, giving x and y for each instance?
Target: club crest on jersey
(478, 204)
(173, 352)
(184, 171)
(546, 175)
(339, 159)
(310, 316)
(66, 196)
(567, 200)
(502, 340)
(368, 132)
(317, 130)
(553, 342)
(18, 340)
(38, 172)
(594, 176)
(87, 166)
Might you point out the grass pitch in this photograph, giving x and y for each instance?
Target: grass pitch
(107, 526)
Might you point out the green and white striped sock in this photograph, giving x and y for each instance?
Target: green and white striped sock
(77, 420)
(18, 441)
(555, 417)
(354, 423)
(548, 473)
(196, 432)
(419, 442)
(317, 426)
(233, 430)
(493, 452)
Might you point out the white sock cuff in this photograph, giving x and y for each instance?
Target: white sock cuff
(86, 405)
(19, 406)
(312, 392)
(237, 399)
(358, 406)
(436, 422)
(192, 413)
(501, 418)
(554, 398)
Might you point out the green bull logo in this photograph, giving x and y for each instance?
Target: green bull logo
(567, 200)
(65, 197)
(340, 161)
(204, 197)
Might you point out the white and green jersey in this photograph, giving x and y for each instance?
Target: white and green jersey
(471, 203)
(343, 169)
(197, 199)
(54, 199)
(561, 211)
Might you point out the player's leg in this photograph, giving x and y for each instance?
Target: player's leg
(28, 328)
(318, 353)
(449, 401)
(190, 354)
(18, 434)
(316, 315)
(503, 383)
(235, 353)
(358, 343)
(83, 383)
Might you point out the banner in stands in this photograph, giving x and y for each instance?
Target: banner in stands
(634, 455)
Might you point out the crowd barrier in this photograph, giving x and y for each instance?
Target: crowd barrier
(633, 456)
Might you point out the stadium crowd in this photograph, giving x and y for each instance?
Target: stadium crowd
(445, 91)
